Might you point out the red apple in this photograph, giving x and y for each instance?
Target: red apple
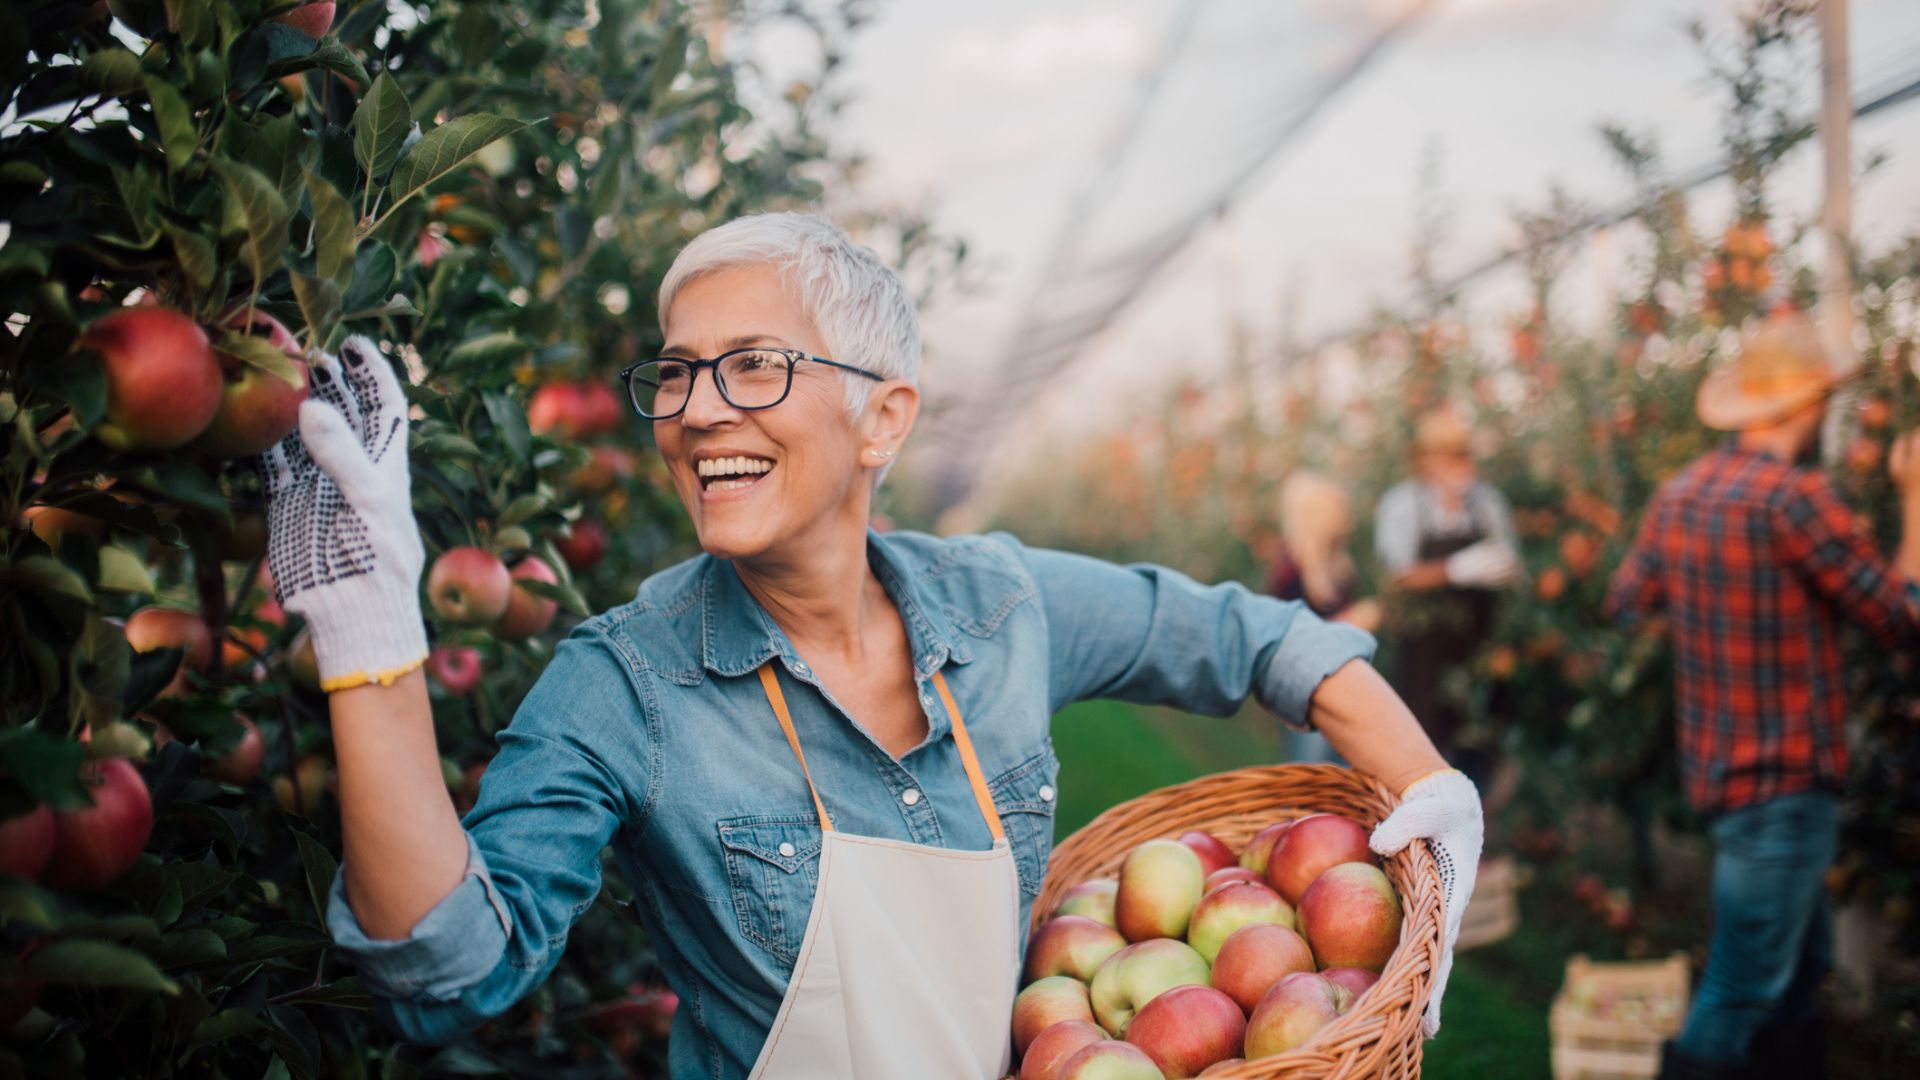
(1045, 1003)
(1230, 907)
(52, 524)
(153, 628)
(528, 614)
(1863, 454)
(1187, 1029)
(1875, 413)
(1093, 899)
(1291, 1013)
(1255, 957)
(1109, 1060)
(455, 667)
(585, 547)
(1259, 849)
(1350, 917)
(1232, 874)
(606, 466)
(1139, 973)
(163, 383)
(1070, 945)
(313, 20)
(241, 764)
(94, 846)
(257, 409)
(26, 842)
(1356, 980)
(1160, 883)
(1315, 843)
(1214, 855)
(557, 409)
(600, 408)
(469, 585)
(1052, 1047)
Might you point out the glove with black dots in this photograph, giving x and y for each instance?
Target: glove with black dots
(344, 548)
(1442, 808)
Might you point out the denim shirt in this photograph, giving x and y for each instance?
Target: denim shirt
(650, 731)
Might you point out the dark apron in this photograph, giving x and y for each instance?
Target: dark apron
(1437, 631)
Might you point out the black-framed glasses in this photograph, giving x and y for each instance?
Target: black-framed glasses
(756, 378)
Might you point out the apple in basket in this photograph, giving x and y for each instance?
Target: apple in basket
(1315, 843)
(1160, 883)
(1354, 979)
(1350, 917)
(1070, 945)
(1259, 849)
(1110, 1060)
(1230, 875)
(1052, 1047)
(1291, 1012)
(1187, 1029)
(1047, 1002)
(1230, 907)
(1093, 899)
(1139, 973)
(1214, 855)
(1256, 957)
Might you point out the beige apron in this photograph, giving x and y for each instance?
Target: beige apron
(912, 953)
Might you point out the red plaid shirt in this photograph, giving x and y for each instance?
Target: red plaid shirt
(1759, 565)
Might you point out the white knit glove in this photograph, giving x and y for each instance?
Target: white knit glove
(344, 549)
(1485, 565)
(1442, 808)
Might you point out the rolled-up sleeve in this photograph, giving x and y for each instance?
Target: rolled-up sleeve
(1154, 636)
(571, 768)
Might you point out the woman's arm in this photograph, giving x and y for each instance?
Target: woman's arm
(1371, 727)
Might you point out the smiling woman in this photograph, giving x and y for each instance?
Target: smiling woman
(820, 754)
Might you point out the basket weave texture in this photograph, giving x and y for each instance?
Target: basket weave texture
(1381, 1037)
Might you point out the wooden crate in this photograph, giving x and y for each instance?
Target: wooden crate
(1609, 1020)
(1493, 912)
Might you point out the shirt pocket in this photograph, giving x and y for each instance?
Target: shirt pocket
(773, 870)
(1026, 796)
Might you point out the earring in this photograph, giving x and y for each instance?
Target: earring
(881, 454)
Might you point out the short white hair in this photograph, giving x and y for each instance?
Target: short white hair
(863, 311)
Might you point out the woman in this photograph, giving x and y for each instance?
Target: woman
(1313, 566)
(820, 753)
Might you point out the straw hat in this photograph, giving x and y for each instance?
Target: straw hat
(1781, 368)
(1442, 431)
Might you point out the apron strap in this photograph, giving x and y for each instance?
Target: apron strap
(779, 702)
(965, 744)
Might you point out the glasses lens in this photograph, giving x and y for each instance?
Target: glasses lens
(660, 387)
(755, 378)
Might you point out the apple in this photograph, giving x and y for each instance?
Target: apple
(528, 614)
(469, 585)
(1350, 917)
(163, 383)
(1070, 945)
(1047, 1002)
(26, 842)
(1315, 843)
(606, 466)
(1356, 980)
(1214, 855)
(257, 409)
(1093, 899)
(1291, 1012)
(1051, 1048)
(313, 20)
(153, 628)
(1229, 875)
(52, 524)
(600, 409)
(94, 846)
(1230, 907)
(1160, 882)
(585, 547)
(1875, 413)
(1139, 973)
(300, 663)
(455, 667)
(241, 764)
(315, 775)
(1259, 849)
(1863, 454)
(1109, 1060)
(1187, 1029)
(1255, 957)
(556, 409)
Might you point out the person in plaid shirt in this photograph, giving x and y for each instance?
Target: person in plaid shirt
(1759, 567)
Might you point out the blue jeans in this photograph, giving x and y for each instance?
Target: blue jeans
(1772, 931)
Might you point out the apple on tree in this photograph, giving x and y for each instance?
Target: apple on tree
(240, 765)
(155, 627)
(257, 407)
(528, 614)
(163, 382)
(584, 546)
(469, 585)
(94, 846)
(456, 668)
(26, 842)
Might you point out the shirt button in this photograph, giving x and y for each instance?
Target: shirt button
(1046, 793)
(786, 850)
(800, 666)
(911, 796)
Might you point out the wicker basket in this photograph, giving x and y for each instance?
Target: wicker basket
(1381, 1037)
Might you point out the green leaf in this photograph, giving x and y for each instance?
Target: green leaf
(255, 204)
(273, 946)
(669, 62)
(395, 306)
(48, 575)
(522, 508)
(193, 20)
(488, 350)
(24, 902)
(140, 191)
(186, 947)
(380, 126)
(510, 420)
(123, 927)
(76, 378)
(123, 571)
(221, 1026)
(48, 767)
(319, 303)
(228, 827)
(185, 483)
(174, 117)
(374, 265)
(434, 446)
(332, 232)
(96, 963)
(112, 72)
(117, 739)
(319, 865)
(565, 595)
(195, 252)
(257, 352)
(275, 148)
(336, 58)
(148, 673)
(442, 150)
(342, 993)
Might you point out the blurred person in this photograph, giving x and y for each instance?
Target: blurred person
(1758, 567)
(1446, 540)
(1313, 566)
(818, 752)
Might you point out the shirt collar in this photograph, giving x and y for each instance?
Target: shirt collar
(737, 636)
